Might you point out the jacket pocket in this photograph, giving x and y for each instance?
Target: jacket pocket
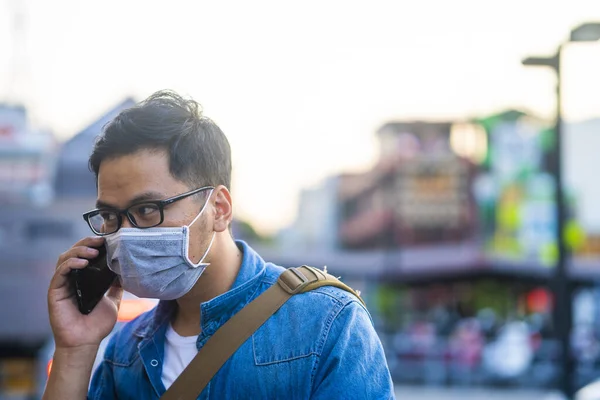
(269, 351)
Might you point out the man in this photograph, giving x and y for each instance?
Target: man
(163, 212)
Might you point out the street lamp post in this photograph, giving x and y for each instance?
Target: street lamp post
(561, 285)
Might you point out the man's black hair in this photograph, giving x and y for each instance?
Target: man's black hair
(199, 153)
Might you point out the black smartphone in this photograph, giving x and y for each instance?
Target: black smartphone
(92, 282)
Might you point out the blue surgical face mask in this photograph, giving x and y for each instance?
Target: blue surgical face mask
(154, 262)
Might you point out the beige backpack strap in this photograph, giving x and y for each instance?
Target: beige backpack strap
(229, 337)
(318, 278)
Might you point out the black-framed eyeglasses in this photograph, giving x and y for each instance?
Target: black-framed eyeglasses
(145, 214)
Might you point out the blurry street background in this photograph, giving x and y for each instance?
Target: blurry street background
(430, 153)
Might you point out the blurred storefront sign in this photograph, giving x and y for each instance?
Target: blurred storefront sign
(417, 194)
(515, 191)
(433, 202)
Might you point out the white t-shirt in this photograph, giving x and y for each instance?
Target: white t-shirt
(179, 352)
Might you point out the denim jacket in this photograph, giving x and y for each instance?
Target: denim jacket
(319, 345)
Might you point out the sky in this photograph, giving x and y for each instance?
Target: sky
(299, 88)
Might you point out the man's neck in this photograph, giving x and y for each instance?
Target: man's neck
(217, 279)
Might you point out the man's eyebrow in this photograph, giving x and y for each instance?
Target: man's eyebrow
(137, 199)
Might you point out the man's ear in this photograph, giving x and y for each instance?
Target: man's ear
(223, 209)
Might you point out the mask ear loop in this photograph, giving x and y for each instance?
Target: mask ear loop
(200, 263)
(203, 207)
(187, 239)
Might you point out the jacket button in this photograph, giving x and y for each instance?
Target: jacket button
(154, 363)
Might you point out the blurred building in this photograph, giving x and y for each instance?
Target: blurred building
(581, 142)
(418, 192)
(74, 179)
(44, 189)
(450, 238)
(316, 224)
(27, 172)
(27, 160)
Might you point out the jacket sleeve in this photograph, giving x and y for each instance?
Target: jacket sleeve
(102, 386)
(352, 364)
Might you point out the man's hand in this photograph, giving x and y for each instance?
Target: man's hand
(76, 336)
(71, 328)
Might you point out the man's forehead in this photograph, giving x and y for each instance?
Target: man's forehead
(128, 179)
(130, 169)
(124, 201)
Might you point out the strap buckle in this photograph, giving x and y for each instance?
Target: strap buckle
(292, 280)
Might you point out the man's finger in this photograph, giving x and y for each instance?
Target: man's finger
(79, 252)
(91, 241)
(60, 276)
(87, 242)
